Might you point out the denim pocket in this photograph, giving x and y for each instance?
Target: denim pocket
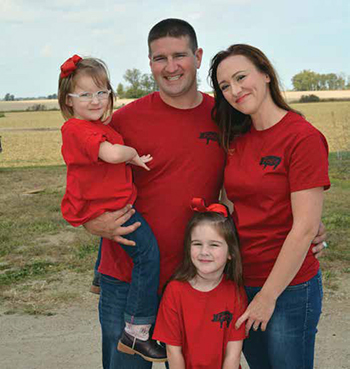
(108, 279)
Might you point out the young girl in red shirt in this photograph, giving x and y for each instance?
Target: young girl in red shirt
(99, 180)
(204, 298)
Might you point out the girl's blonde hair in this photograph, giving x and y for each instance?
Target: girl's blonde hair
(91, 67)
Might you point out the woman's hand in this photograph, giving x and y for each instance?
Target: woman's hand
(319, 240)
(110, 225)
(259, 311)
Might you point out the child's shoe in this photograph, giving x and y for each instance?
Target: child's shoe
(150, 350)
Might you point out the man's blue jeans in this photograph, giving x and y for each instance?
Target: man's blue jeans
(112, 305)
(142, 300)
(289, 340)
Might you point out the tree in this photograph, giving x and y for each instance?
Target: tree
(139, 84)
(308, 80)
(9, 97)
(120, 91)
(148, 83)
(133, 77)
(52, 97)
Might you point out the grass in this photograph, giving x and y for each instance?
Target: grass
(40, 254)
(44, 262)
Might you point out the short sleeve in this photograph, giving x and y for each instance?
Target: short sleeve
(168, 324)
(81, 143)
(308, 167)
(240, 307)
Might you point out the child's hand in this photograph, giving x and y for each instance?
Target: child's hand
(141, 161)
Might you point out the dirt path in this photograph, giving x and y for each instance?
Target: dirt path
(71, 338)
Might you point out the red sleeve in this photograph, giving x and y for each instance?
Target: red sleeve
(309, 163)
(240, 307)
(81, 143)
(168, 324)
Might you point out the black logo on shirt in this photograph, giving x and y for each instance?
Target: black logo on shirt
(271, 161)
(222, 317)
(209, 136)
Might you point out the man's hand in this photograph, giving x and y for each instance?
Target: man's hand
(318, 241)
(110, 225)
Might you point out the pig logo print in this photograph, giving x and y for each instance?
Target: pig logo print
(270, 161)
(213, 136)
(223, 317)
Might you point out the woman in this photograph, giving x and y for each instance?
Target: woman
(276, 171)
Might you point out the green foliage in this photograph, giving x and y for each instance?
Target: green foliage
(339, 167)
(309, 98)
(30, 270)
(9, 97)
(120, 91)
(138, 85)
(307, 80)
(86, 249)
(2, 114)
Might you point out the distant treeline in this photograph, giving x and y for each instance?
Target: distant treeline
(139, 84)
(307, 80)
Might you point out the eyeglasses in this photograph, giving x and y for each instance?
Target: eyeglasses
(88, 96)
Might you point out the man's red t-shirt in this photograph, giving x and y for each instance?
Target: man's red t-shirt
(187, 162)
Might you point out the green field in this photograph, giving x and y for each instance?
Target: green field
(44, 261)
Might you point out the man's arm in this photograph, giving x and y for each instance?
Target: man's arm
(110, 225)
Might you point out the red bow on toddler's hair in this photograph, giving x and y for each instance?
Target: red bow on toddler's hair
(69, 66)
(198, 204)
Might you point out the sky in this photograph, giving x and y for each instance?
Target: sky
(37, 36)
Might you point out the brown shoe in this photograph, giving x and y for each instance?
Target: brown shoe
(95, 289)
(150, 350)
(95, 285)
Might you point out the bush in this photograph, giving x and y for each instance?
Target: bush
(2, 114)
(37, 107)
(309, 98)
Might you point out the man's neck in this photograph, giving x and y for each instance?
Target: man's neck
(183, 102)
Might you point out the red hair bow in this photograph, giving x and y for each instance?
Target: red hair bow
(69, 66)
(198, 204)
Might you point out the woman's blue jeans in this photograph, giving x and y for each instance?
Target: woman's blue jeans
(142, 300)
(289, 340)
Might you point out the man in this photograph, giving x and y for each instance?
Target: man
(175, 127)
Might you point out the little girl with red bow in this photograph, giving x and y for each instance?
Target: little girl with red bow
(99, 180)
(205, 297)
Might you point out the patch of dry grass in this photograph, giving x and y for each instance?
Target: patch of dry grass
(332, 119)
(26, 120)
(23, 147)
